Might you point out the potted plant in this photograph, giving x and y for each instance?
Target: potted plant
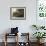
(39, 35)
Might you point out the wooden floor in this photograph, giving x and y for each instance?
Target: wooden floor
(13, 44)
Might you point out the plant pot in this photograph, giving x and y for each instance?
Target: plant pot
(40, 41)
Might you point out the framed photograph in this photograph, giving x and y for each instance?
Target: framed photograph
(17, 13)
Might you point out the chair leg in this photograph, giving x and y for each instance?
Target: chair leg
(17, 39)
(5, 40)
(5, 43)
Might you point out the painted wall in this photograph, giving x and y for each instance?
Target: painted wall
(24, 25)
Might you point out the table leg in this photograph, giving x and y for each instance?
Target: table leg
(5, 40)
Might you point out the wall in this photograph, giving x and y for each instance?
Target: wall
(24, 25)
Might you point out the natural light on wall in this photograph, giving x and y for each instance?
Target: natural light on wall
(41, 9)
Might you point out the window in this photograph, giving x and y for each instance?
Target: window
(41, 8)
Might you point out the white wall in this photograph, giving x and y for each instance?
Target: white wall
(24, 25)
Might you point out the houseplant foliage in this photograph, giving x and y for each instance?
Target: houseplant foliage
(35, 26)
(38, 27)
(39, 35)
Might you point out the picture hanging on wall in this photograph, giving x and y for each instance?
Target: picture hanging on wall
(17, 13)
